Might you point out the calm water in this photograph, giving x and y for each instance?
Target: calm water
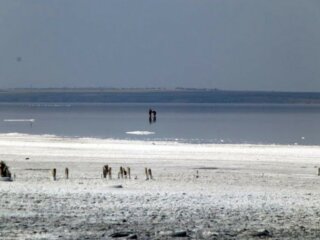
(197, 123)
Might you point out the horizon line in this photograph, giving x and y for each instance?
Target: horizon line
(145, 89)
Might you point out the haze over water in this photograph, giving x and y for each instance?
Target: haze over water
(194, 123)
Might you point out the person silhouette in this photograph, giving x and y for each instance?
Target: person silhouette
(152, 116)
(154, 113)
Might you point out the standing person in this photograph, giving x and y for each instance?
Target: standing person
(154, 119)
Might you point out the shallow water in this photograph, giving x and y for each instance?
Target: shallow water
(196, 123)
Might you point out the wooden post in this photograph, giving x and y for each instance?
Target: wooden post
(105, 171)
(125, 173)
(54, 174)
(121, 172)
(1, 170)
(318, 171)
(150, 173)
(4, 170)
(147, 174)
(110, 173)
(66, 173)
(129, 173)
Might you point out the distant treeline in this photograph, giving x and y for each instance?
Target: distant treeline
(154, 96)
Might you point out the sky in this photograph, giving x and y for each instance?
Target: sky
(226, 44)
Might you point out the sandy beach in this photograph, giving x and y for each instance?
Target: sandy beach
(199, 191)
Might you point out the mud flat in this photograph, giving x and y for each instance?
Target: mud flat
(198, 191)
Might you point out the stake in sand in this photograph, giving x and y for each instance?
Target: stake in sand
(150, 173)
(66, 173)
(129, 172)
(54, 174)
(146, 173)
(110, 173)
(5, 173)
(105, 171)
(125, 173)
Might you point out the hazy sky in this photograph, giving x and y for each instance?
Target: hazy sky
(226, 44)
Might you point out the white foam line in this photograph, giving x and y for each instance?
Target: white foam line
(19, 120)
(140, 133)
(49, 148)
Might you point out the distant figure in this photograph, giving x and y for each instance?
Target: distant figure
(152, 116)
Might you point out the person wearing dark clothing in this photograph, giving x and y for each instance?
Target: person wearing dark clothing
(152, 116)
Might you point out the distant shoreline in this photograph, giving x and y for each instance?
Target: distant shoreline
(153, 95)
(105, 89)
